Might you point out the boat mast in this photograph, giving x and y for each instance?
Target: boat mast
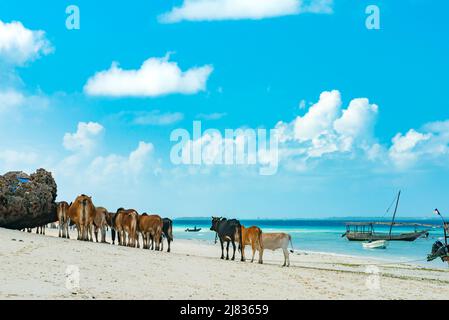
(394, 214)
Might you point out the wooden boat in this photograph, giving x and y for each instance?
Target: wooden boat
(193, 230)
(379, 244)
(364, 231)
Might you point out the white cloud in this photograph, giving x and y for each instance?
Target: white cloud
(327, 129)
(207, 10)
(358, 120)
(157, 118)
(114, 166)
(403, 151)
(319, 118)
(10, 99)
(156, 77)
(428, 145)
(211, 116)
(84, 139)
(19, 45)
(12, 160)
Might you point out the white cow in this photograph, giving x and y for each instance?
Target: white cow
(275, 241)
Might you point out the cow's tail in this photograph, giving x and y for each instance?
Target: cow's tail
(240, 240)
(291, 244)
(238, 233)
(170, 231)
(260, 239)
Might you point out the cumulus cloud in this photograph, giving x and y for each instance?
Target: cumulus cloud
(428, 144)
(119, 166)
(326, 128)
(19, 45)
(318, 120)
(403, 151)
(156, 77)
(84, 139)
(207, 10)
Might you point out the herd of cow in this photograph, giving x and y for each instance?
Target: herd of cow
(128, 225)
(232, 231)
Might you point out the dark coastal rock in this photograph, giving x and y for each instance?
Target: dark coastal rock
(27, 201)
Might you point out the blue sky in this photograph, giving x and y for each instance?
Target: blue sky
(254, 70)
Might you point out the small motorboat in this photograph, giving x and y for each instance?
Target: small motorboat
(378, 244)
(193, 230)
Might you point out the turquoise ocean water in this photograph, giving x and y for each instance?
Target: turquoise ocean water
(325, 236)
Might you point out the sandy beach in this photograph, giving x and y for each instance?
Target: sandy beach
(40, 267)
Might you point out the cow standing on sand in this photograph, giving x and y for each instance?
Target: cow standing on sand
(125, 222)
(82, 212)
(226, 230)
(100, 223)
(150, 226)
(167, 231)
(63, 218)
(273, 241)
(251, 236)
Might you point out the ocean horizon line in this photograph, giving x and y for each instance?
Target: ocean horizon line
(345, 218)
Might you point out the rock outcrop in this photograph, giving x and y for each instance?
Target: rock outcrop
(27, 201)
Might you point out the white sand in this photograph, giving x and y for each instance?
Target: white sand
(34, 267)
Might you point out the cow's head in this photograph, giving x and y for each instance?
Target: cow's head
(214, 225)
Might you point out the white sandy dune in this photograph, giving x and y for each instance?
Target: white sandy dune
(45, 267)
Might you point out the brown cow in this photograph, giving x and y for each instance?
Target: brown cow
(150, 226)
(63, 218)
(126, 223)
(82, 213)
(251, 236)
(100, 223)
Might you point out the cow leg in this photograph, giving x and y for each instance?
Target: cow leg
(103, 234)
(113, 235)
(253, 247)
(227, 250)
(168, 241)
(96, 233)
(233, 250)
(91, 239)
(44, 228)
(222, 248)
(260, 255)
(285, 257)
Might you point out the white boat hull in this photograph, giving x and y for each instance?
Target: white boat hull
(379, 244)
